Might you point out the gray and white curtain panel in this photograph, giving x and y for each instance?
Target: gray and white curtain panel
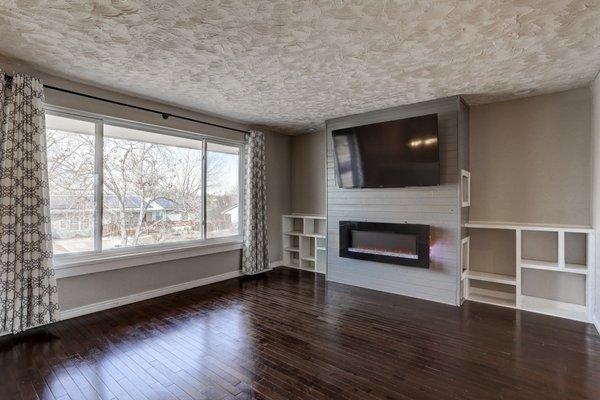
(255, 256)
(27, 286)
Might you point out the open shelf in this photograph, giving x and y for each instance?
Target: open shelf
(493, 297)
(554, 266)
(575, 269)
(294, 233)
(314, 235)
(491, 277)
(527, 226)
(294, 249)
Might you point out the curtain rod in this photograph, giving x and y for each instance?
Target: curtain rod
(163, 114)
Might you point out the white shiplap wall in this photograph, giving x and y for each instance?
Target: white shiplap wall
(436, 206)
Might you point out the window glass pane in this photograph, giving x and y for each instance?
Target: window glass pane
(71, 145)
(222, 190)
(152, 188)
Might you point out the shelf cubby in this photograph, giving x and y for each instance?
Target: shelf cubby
(556, 293)
(539, 246)
(314, 227)
(492, 253)
(576, 253)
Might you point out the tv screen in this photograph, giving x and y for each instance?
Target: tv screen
(397, 153)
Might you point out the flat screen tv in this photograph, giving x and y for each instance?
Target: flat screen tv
(389, 154)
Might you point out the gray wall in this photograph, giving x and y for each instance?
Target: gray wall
(435, 206)
(308, 173)
(87, 289)
(530, 159)
(596, 187)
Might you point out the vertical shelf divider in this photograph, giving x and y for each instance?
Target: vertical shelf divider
(561, 249)
(518, 291)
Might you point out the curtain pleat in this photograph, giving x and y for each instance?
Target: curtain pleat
(28, 294)
(255, 256)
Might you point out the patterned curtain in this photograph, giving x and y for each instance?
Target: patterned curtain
(27, 284)
(255, 257)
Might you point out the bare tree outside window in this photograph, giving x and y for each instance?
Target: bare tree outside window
(152, 191)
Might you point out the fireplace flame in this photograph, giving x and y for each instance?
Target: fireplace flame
(400, 253)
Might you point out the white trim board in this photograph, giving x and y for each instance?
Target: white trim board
(596, 323)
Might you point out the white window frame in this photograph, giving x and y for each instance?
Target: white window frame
(73, 264)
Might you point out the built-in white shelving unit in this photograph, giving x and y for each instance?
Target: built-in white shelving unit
(304, 242)
(535, 267)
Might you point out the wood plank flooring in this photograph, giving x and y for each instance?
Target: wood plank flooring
(288, 334)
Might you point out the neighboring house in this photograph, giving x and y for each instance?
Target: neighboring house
(73, 216)
(233, 213)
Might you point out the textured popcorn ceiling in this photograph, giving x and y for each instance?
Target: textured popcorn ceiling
(292, 64)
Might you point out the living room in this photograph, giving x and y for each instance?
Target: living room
(312, 200)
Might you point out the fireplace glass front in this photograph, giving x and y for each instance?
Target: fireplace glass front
(404, 244)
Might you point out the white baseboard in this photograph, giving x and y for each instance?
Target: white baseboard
(133, 298)
(272, 265)
(596, 323)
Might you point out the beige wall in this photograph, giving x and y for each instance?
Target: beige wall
(596, 187)
(88, 289)
(308, 173)
(82, 290)
(279, 175)
(530, 159)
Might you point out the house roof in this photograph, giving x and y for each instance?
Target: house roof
(67, 202)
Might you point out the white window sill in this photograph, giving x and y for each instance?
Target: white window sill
(90, 264)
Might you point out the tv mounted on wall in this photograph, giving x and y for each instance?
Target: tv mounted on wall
(398, 153)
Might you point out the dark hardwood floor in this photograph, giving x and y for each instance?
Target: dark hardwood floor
(290, 335)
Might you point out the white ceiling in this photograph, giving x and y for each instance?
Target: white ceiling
(291, 64)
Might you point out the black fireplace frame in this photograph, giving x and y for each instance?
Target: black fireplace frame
(421, 231)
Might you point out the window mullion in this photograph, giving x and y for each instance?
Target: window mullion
(204, 172)
(241, 188)
(98, 185)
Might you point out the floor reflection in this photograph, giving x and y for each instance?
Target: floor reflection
(290, 335)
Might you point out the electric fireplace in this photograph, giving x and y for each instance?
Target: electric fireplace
(403, 244)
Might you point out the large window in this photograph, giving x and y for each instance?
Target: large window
(122, 186)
